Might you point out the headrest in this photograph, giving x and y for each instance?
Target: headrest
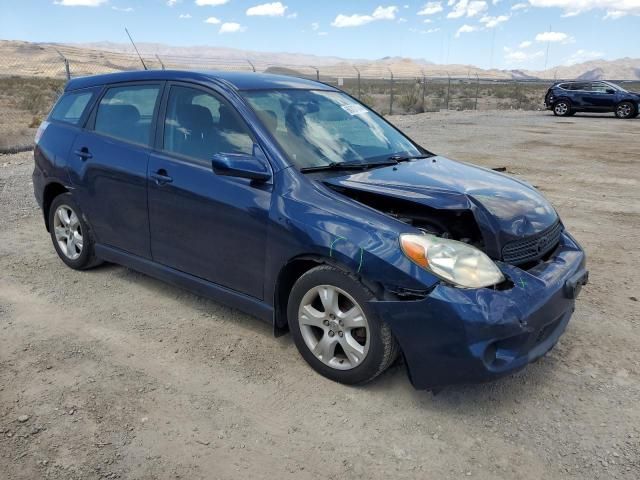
(194, 117)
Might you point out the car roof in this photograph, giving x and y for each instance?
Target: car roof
(236, 80)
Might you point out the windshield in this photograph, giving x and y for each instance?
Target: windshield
(317, 128)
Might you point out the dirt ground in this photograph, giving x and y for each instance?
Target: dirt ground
(111, 374)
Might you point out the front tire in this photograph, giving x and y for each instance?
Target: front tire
(334, 328)
(562, 108)
(626, 110)
(70, 234)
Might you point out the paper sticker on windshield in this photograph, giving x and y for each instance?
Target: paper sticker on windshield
(354, 109)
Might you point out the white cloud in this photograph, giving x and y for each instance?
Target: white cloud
(275, 9)
(431, 8)
(231, 27)
(491, 22)
(172, 3)
(322, 34)
(525, 44)
(519, 6)
(210, 3)
(315, 26)
(518, 56)
(293, 15)
(356, 20)
(402, 20)
(466, 8)
(553, 37)
(465, 29)
(80, 3)
(433, 30)
(427, 20)
(583, 56)
(211, 20)
(184, 15)
(122, 9)
(614, 8)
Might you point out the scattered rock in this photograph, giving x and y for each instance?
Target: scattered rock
(23, 418)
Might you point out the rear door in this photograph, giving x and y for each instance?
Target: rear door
(577, 94)
(210, 226)
(108, 165)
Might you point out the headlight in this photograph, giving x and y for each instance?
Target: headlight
(455, 262)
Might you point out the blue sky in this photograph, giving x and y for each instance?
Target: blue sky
(498, 33)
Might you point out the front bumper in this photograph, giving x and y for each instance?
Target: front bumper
(459, 335)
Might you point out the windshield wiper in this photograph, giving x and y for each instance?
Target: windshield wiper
(403, 158)
(348, 166)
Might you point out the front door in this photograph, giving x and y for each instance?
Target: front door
(210, 226)
(600, 96)
(108, 166)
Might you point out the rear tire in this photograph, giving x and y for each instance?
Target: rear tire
(70, 234)
(562, 108)
(334, 328)
(626, 110)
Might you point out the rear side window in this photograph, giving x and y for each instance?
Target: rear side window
(127, 113)
(70, 107)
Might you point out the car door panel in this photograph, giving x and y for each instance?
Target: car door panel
(112, 190)
(207, 225)
(108, 166)
(201, 223)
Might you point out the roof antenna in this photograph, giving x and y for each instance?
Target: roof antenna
(135, 48)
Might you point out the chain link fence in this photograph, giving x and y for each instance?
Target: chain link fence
(33, 75)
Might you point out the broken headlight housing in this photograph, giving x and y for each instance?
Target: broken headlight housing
(455, 262)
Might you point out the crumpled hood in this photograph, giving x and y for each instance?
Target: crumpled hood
(505, 208)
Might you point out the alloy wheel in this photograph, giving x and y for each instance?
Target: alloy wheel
(561, 108)
(68, 232)
(624, 110)
(334, 327)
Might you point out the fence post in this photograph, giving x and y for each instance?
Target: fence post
(477, 90)
(424, 92)
(391, 94)
(161, 63)
(357, 70)
(67, 70)
(448, 90)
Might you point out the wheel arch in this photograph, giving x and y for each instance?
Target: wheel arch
(291, 272)
(51, 191)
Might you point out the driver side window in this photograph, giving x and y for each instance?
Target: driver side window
(199, 125)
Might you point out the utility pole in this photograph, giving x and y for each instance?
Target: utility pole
(357, 70)
(546, 57)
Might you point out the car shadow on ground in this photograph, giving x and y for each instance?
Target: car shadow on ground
(476, 398)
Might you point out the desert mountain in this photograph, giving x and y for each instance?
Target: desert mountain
(18, 57)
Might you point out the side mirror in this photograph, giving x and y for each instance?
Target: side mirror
(242, 165)
(610, 90)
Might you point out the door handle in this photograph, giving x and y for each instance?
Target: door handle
(83, 153)
(161, 177)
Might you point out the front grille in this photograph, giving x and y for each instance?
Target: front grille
(532, 248)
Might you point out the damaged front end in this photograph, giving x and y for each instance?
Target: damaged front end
(451, 334)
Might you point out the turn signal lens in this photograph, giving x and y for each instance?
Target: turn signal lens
(414, 250)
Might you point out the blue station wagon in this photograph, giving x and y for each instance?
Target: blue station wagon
(290, 200)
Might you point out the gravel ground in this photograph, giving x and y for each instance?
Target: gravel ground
(111, 374)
